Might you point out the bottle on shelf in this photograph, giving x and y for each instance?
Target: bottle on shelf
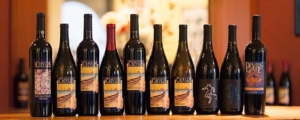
(87, 60)
(134, 71)
(64, 78)
(157, 77)
(207, 77)
(182, 77)
(271, 86)
(111, 77)
(21, 87)
(284, 90)
(231, 77)
(255, 72)
(40, 64)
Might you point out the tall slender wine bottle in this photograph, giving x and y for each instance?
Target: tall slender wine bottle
(134, 69)
(271, 87)
(111, 76)
(40, 64)
(157, 77)
(232, 77)
(182, 77)
(87, 58)
(21, 88)
(207, 77)
(284, 90)
(63, 78)
(255, 72)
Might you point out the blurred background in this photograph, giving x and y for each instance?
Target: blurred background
(18, 28)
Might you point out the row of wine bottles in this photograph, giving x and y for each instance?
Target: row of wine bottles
(281, 95)
(72, 87)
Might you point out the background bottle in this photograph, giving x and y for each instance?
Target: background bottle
(284, 90)
(255, 72)
(157, 77)
(232, 77)
(271, 86)
(182, 77)
(63, 78)
(111, 77)
(40, 64)
(21, 88)
(207, 77)
(134, 69)
(87, 59)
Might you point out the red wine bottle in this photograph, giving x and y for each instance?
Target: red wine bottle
(157, 77)
(182, 77)
(87, 58)
(284, 90)
(134, 69)
(207, 77)
(271, 87)
(21, 88)
(40, 64)
(111, 77)
(255, 72)
(232, 77)
(63, 78)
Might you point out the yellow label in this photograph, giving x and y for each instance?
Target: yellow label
(284, 97)
(66, 93)
(136, 75)
(113, 97)
(159, 92)
(23, 88)
(184, 92)
(270, 95)
(89, 76)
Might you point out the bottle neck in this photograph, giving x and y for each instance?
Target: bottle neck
(232, 40)
(22, 70)
(183, 45)
(256, 28)
(207, 43)
(157, 44)
(285, 66)
(270, 67)
(134, 28)
(64, 38)
(111, 39)
(40, 27)
(87, 31)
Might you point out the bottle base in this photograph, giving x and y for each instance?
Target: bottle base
(231, 111)
(207, 111)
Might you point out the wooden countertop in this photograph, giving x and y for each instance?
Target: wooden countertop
(272, 112)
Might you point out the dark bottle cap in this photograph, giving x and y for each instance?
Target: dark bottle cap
(232, 33)
(111, 42)
(88, 22)
(64, 32)
(40, 25)
(134, 22)
(256, 27)
(183, 32)
(157, 32)
(207, 32)
(64, 25)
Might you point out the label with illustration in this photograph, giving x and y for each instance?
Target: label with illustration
(159, 92)
(183, 89)
(270, 98)
(231, 93)
(66, 92)
(89, 76)
(113, 97)
(208, 93)
(136, 75)
(42, 80)
(255, 77)
(283, 95)
(23, 92)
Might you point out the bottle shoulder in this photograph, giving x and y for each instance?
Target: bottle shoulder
(257, 45)
(40, 43)
(88, 44)
(111, 58)
(136, 44)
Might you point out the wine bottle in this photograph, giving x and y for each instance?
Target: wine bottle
(255, 72)
(157, 77)
(182, 77)
(87, 59)
(111, 76)
(134, 69)
(21, 87)
(40, 64)
(231, 78)
(207, 77)
(270, 89)
(284, 91)
(63, 78)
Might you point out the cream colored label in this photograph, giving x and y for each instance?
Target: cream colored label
(283, 95)
(184, 92)
(159, 92)
(89, 76)
(270, 95)
(66, 93)
(136, 75)
(113, 97)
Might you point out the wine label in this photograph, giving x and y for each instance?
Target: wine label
(23, 93)
(66, 93)
(270, 98)
(283, 95)
(208, 93)
(136, 75)
(159, 92)
(113, 97)
(255, 77)
(183, 89)
(89, 76)
(42, 80)
(231, 93)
